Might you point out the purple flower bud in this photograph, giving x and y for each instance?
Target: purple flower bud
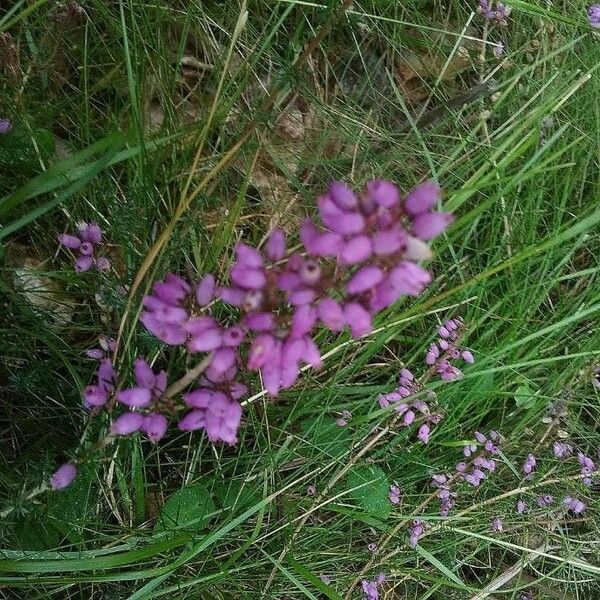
(384, 193)
(144, 376)
(248, 256)
(247, 277)
(422, 198)
(311, 490)
(338, 220)
(303, 320)
(63, 476)
(136, 396)
(342, 195)
(154, 426)
(319, 244)
(409, 278)
(231, 295)
(423, 433)
(95, 353)
(409, 418)
(223, 359)
(261, 351)
(331, 314)
(70, 241)
(480, 437)
(206, 341)
(357, 250)
(83, 264)
(90, 232)
(594, 15)
(5, 126)
(260, 321)
(193, 420)
(574, 505)
(94, 395)
(276, 245)
(521, 506)
(127, 423)
(106, 374)
(544, 501)
(468, 357)
(372, 547)
(497, 524)
(86, 249)
(585, 461)
(205, 290)
(364, 279)
(102, 263)
(461, 467)
(389, 241)
(428, 225)
(312, 355)
(561, 450)
(358, 319)
(233, 336)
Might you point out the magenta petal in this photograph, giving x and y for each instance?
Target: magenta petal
(427, 225)
(312, 355)
(260, 321)
(90, 232)
(144, 376)
(384, 193)
(231, 295)
(206, 341)
(260, 351)
(84, 263)
(331, 314)
(237, 390)
(303, 320)
(345, 223)
(317, 243)
(127, 423)
(205, 290)
(409, 278)
(70, 241)
(102, 263)
(172, 290)
(364, 279)
(136, 396)
(63, 476)
(198, 325)
(106, 374)
(223, 359)
(202, 397)
(193, 420)
(271, 380)
(288, 281)
(160, 383)
(389, 241)
(247, 277)
(248, 256)
(356, 250)
(422, 198)
(94, 395)
(276, 245)
(342, 195)
(155, 427)
(233, 336)
(300, 297)
(358, 319)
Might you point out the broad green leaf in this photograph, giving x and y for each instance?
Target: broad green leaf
(524, 397)
(370, 488)
(188, 508)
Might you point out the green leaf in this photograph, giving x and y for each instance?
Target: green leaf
(369, 486)
(524, 397)
(439, 565)
(21, 150)
(235, 495)
(327, 437)
(188, 508)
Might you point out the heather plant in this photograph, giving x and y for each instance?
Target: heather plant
(251, 349)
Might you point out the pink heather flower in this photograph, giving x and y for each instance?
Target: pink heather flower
(497, 524)
(5, 126)
(154, 426)
(326, 579)
(358, 319)
(395, 494)
(311, 489)
(331, 314)
(544, 501)
(423, 198)
(498, 49)
(88, 237)
(218, 414)
(372, 547)
(343, 420)
(586, 462)
(384, 193)
(561, 449)
(521, 506)
(364, 279)
(276, 245)
(94, 396)
(205, 290)
(127, 423)
(369, 589)
(149, 386)
(423, 433)
(529, 464)
(63, 476)
(594, 15)
(428, 225)
(415, 532)
(575, 505)
(356, 250)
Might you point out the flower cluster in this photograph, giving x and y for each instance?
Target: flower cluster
(360, 259)
(395, 494)
(96, 395)
(575, 505)
(594, 15)
(409, 410)
(370, 589)
(415, 532)
(587, 468)
(447, 498)
(498, 14)
(446, 349)
(529, 466)
(85, 242)
(484, 462)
